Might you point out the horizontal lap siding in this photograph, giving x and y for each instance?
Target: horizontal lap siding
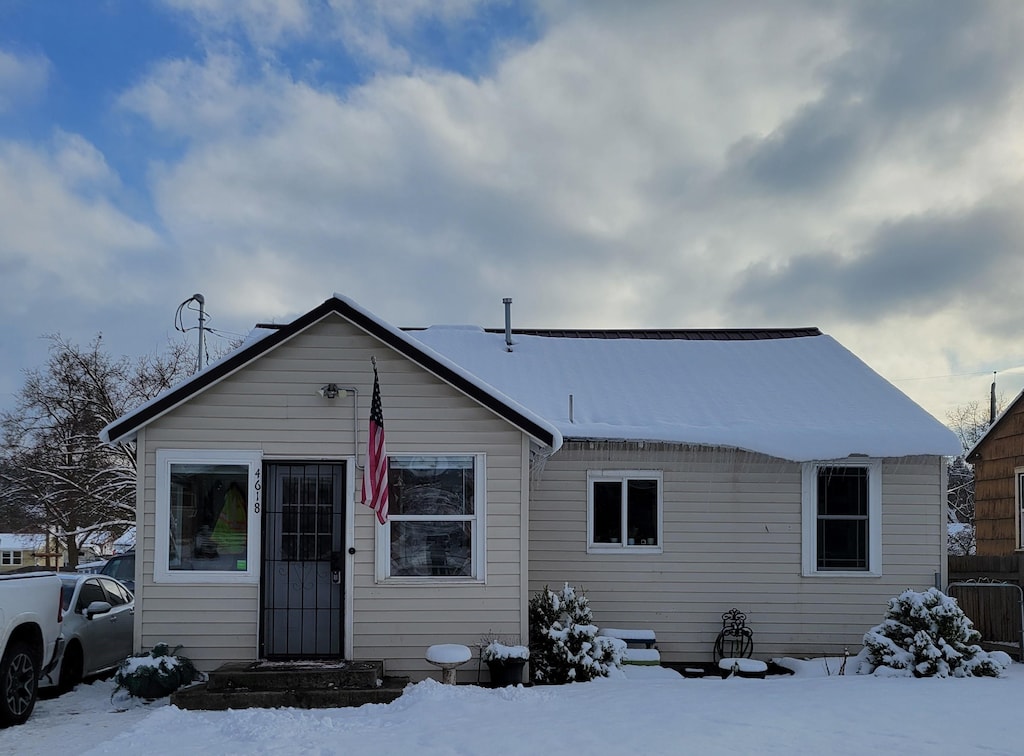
(731, 538)
(272, 405)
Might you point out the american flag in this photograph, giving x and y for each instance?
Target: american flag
(375, 471)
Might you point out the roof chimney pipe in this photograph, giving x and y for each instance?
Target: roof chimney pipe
(992, 401)
(507, 301)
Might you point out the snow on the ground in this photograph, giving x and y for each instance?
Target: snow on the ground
(646, 710)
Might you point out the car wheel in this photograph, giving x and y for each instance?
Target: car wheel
(70, 669)
(19, 676)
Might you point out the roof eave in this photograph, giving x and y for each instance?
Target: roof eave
(973, 453)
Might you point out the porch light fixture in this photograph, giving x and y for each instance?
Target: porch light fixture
(330, 391)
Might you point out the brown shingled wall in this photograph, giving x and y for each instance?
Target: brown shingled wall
(995, 461)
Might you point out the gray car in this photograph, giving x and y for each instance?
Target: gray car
(99, 622)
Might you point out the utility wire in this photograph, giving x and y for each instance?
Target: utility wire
(1017, 369)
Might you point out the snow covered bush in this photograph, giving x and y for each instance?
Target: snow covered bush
(564, 645)
(928, 635)
(155, 674)
(497, 651)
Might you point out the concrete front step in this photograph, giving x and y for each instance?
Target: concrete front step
(303, 685)
(200, 697)
(292, 675)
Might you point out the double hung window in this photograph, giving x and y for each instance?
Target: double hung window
(436, 516)
(842, 517)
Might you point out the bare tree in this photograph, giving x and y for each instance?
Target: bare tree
(53, 463)
(969, 421)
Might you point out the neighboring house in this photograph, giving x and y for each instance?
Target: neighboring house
(103, 545)
(998, 459)
(672, 474)
(19, 550)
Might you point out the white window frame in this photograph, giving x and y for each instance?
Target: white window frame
(12, 558)
(479, 529)
(809, 505)
(622, 476)
(254, 503)
(1018, 479)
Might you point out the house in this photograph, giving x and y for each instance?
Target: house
(672, 474)
(998, 459)
(19, 550)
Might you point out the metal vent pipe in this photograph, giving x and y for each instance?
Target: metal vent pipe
(507, 301)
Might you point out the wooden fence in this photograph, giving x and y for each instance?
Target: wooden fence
(1009, 569)
(995, 610)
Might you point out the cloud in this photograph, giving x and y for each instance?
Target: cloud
(61, 234)
(267, 23)
(914, 265)
(626, 167)
(199, 100)
(22, 78)
(663, 164)
(378, 37)
(923, 78)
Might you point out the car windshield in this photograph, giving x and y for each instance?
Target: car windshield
(121, 568)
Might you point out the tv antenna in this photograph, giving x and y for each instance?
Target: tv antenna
(201, 301)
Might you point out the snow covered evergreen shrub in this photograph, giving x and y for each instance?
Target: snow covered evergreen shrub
(155, 674)
(928, 635)
(564, 645)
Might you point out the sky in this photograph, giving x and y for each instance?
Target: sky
(648, 710)
(858, 167)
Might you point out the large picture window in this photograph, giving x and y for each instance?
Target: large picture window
(207, 525)
(624, 510)
(435, 521)
(842, 518)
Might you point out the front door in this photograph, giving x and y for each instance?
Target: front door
(303, 564)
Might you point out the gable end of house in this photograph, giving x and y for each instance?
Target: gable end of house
(125, 427)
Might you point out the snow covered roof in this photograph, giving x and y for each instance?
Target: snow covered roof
(791, 393)
(22, 542)
(798, 395)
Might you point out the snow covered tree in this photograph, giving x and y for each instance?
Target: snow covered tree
(53, 464)
(928, 635)
(564, 645)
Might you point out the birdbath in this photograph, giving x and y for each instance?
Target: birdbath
(448, 656)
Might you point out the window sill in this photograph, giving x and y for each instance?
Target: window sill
(843, 574)
(206, 578)
(598, 548)
(433, 580)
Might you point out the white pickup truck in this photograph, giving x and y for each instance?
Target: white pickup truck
(30, 639)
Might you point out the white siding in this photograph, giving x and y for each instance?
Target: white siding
(272, 405)
(732, 524)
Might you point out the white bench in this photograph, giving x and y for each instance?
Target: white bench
(742, 667)
(641, 648)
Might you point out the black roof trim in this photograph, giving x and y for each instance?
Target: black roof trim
(688, 334)
(133, 421)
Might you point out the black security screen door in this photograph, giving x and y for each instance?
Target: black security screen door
(303, 567)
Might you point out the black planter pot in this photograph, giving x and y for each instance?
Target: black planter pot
(505, 672)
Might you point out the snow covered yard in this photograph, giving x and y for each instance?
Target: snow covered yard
(646, 710)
